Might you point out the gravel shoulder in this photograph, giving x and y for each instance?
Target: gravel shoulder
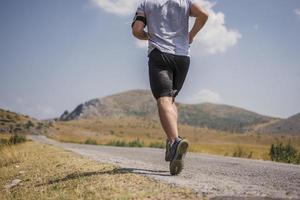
(211, 176)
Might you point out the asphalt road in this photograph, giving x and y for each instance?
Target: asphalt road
(215, 177)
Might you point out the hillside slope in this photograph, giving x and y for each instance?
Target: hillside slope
(140, 103)
(221, 117)
(11, 122)
(290, 125)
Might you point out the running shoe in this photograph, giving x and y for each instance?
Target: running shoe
(178, 151)
(168, 156)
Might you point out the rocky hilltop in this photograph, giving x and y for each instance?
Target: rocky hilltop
(132, 103)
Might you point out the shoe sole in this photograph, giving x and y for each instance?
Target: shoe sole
(176, 165)
(167, 158)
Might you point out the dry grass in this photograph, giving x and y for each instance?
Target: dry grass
(51, 173)
(5, 136)
(203, 140)
(8, 155)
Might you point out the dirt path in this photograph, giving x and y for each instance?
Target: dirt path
(214, 176)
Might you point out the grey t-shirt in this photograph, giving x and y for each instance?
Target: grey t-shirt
(168, 25)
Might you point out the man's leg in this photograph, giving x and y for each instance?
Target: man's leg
(168, 117)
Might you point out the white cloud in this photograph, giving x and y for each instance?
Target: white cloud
(214, 38)
(205, 95)
(297, 12)
(118, 7)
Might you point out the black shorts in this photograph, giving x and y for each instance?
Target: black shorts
(167, 73)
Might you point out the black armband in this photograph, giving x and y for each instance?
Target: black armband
(139, 18)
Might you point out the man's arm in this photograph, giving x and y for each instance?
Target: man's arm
(201, 18)
(138, 28)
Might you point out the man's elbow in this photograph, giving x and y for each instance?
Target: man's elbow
(204, 16)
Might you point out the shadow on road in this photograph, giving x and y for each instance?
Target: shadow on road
(77, 175)
(148, 172)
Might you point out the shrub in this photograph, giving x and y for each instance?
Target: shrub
(29, 124)
(160, 145)
(17, 129)
(112, 132)
(284, 153)
(136, 143)
(238, 151)
(122, 143)
(117, 143)
(15, 139)
(91, 141)
(40, 126)
(241, 152)
(250, 154)
(3, 141)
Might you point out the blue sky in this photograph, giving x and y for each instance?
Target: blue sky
(56, 54)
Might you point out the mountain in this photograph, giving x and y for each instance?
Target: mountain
(290, 125)
(140, 103)
(132, 103)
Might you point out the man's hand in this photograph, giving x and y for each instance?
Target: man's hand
(138, 29)
(201, 18)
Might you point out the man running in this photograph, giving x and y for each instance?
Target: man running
(169, 40)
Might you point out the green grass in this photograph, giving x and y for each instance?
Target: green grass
(16, 138)
(91, 141)
(160, 145)
(284, 153)
(122, 143)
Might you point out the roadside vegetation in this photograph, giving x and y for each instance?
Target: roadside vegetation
(8, 154)
(12, 139)
(284, 153)
(239, 151)
(147, 133)
(122, 143)
(46, 172)
(91, 141)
